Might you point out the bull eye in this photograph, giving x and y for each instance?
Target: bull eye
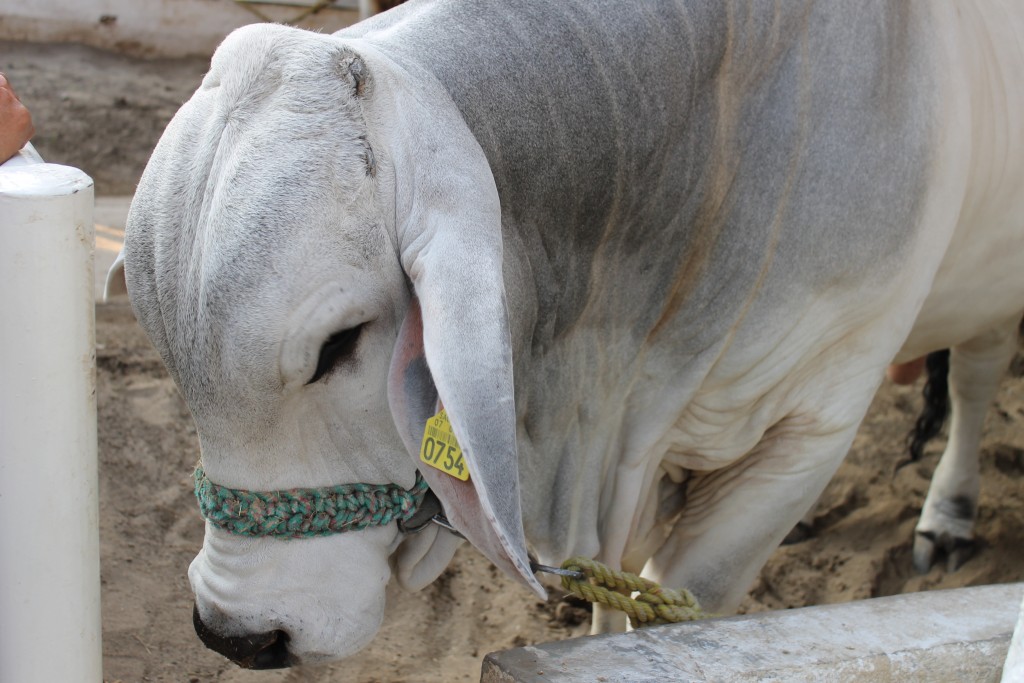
(338, 348)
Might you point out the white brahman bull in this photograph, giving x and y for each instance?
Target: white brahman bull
(653, 259)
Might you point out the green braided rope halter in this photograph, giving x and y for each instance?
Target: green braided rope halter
(306, 512)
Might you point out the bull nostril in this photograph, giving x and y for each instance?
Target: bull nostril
(258, 651)
(274, 655)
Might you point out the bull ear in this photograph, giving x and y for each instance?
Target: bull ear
(455, 344)
(116, 283)
(486, 509)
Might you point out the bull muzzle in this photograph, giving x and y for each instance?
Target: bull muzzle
(256, 651)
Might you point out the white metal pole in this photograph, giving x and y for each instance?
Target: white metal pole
(49, 513)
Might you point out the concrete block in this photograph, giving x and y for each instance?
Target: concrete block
(951, 635)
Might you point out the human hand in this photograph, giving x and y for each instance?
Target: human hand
(15, 121)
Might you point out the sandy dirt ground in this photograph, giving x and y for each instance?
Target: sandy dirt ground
(104, 113)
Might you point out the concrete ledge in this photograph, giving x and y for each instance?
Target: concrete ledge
(952, 635)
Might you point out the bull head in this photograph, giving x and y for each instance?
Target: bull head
(315, 250)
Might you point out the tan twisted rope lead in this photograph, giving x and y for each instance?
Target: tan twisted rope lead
(653, 605)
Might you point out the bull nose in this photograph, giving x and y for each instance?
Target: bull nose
(257, 651)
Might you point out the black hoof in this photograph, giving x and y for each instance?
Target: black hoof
(929, 549)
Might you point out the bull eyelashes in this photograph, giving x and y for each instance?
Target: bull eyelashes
(338, 348)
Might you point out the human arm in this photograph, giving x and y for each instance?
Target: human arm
(15, 121)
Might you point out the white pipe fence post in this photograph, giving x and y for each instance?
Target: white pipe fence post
(49, 512)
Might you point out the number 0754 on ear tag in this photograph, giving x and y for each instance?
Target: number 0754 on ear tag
(441, 450)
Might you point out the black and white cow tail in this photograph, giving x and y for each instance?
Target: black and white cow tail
(936, 404)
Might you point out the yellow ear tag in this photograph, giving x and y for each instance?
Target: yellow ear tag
(441, 450)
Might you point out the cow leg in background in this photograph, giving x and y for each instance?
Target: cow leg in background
(607, 620)
(947, 519)
(735, 517)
